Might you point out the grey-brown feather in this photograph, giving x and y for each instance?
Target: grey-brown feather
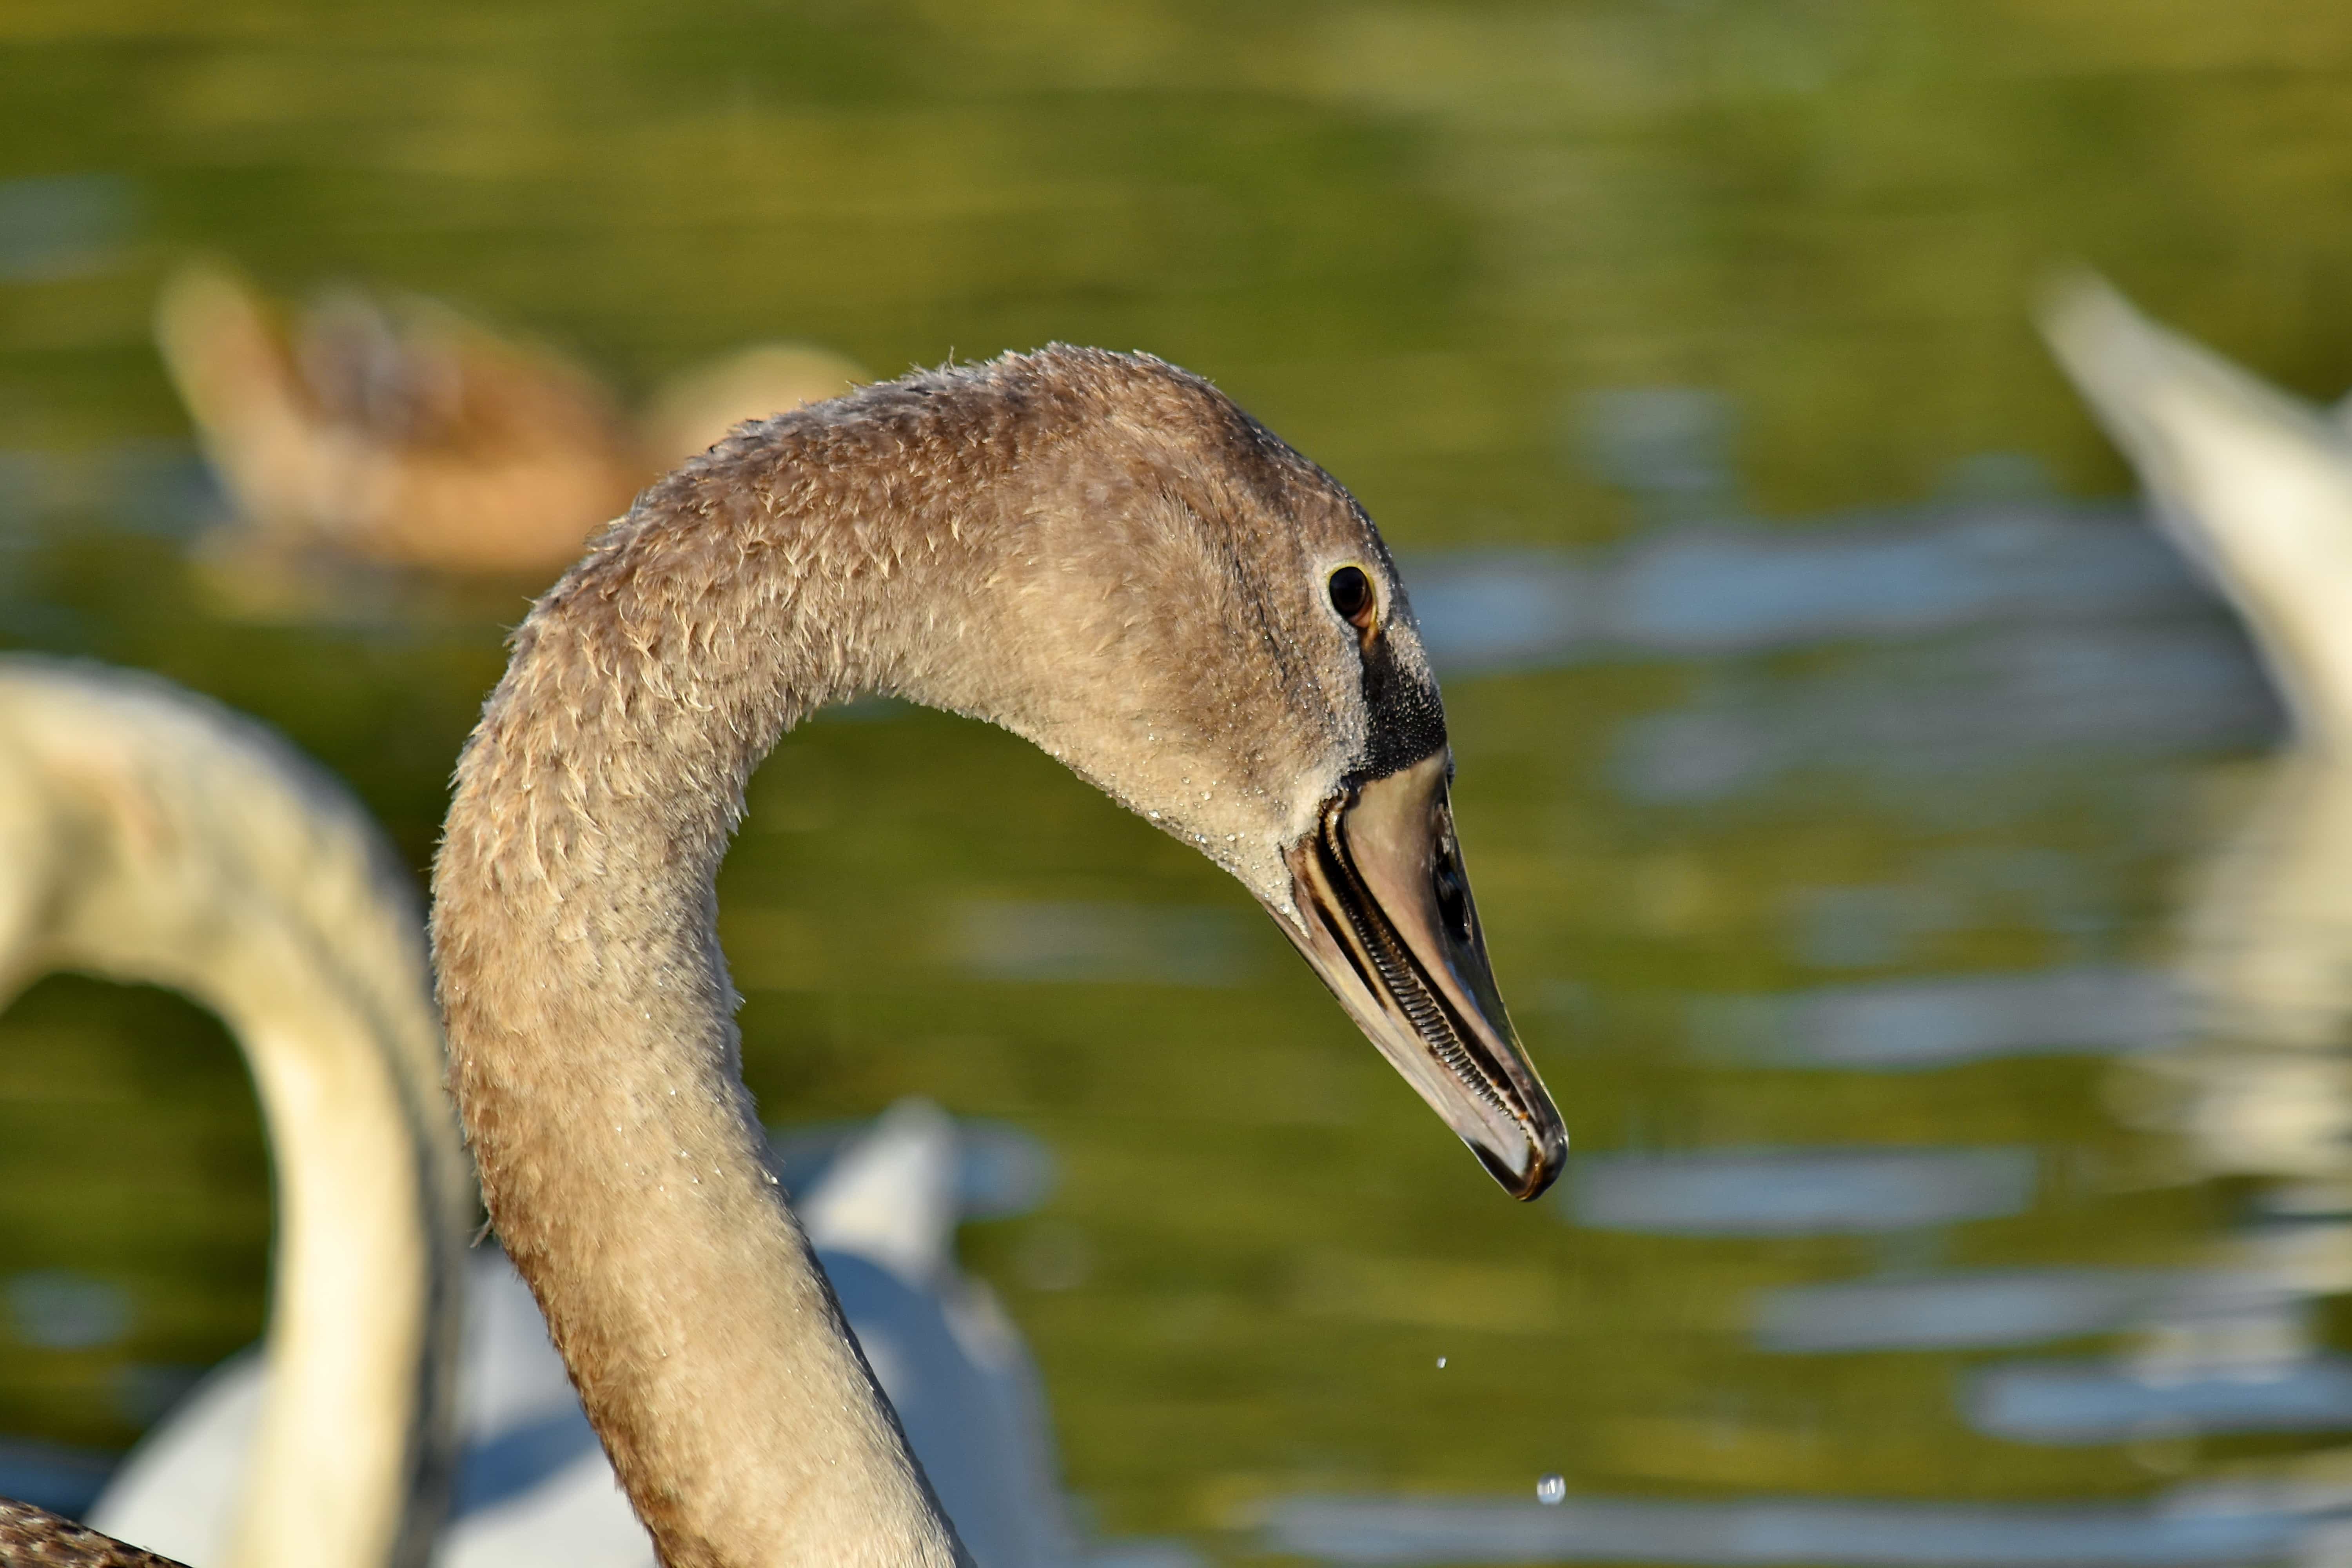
(34, 1538)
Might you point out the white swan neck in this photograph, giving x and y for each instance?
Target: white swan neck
(208, 856)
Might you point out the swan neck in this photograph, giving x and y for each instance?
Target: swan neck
(355, 1434)
(595, 1053)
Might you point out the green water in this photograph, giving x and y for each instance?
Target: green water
(1424, 242)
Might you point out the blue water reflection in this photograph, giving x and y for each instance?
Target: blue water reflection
(1906, 1026)
(1798, 1191)
(1704, 590)
(1993, 700)
(60, 227)
(1954, 1311)
(2184, 1530)
(2105, 1402)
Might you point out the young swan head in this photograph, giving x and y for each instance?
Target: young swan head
(1131, 572)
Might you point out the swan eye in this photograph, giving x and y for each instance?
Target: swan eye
(1352, 595)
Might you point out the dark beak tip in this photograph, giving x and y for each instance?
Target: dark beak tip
(1550, 1151)
(1550, 1160)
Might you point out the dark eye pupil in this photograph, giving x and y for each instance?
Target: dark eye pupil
(1351, 593)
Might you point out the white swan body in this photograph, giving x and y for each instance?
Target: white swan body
(2256, 485)
(2253, 483)
(533, 1489)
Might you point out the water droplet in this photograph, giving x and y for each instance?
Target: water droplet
(1552, 1491)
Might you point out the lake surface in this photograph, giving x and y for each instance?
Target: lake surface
(1872, 822)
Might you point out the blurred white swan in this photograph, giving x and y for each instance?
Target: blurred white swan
(533, 1486)
(2256, 486)
(147, 835)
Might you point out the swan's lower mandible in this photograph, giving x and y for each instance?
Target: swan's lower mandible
(1385, 916)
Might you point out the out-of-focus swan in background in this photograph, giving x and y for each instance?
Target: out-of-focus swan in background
(2256, 486)
(149, 835)
(533, 1488)
(2252, 483)
(1100, 552)
(394, 430)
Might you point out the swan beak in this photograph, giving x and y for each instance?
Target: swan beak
(1385, 918)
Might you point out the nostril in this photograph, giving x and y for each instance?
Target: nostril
(1452, 895)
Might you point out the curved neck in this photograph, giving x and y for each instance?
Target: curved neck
(354, 1447)
(195, 851)
(593, 1051)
